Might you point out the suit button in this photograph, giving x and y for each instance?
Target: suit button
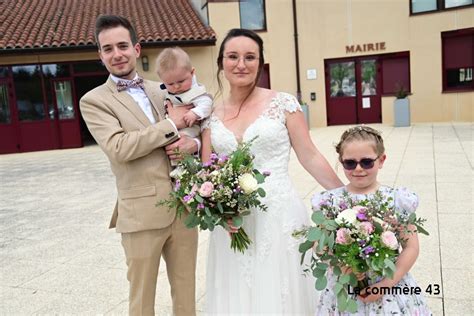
(168, 135)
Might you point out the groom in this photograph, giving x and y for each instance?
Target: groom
(127, 118)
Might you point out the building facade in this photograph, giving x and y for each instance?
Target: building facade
(346, 59)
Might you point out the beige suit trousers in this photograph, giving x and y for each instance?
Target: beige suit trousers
(143, 250)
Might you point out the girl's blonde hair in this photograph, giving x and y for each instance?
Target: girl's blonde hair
(361, 133)
(171, 58)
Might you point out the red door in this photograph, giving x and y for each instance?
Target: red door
(66, 113)
(8, 120)
(352, 91)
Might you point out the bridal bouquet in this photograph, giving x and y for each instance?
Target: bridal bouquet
(364, 235)
(219, 192)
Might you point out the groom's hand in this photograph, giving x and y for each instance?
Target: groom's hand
(176, 114)
(184, 145)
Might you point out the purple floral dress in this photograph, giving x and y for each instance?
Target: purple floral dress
(406, 203)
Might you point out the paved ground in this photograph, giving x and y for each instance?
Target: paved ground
(58, 257)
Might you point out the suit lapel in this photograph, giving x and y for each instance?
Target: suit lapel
(156, 99)
(129, 103)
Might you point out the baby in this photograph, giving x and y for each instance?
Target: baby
(177, 74)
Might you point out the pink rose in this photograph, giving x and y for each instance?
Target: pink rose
(366, 228)
(343, 236)
(206, 189)
(388, 239)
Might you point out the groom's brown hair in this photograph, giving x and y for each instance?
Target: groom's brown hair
(105, 22)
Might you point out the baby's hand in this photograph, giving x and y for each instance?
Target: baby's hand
(190, 117)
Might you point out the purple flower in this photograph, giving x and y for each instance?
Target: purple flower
(267, 173)
(368, 250)
(177, 185)
(200, 206)
(207, 163)
(187, 198)
(362, 243)
(343, 205)
(361, 216)
(223, 158)
(213, 156)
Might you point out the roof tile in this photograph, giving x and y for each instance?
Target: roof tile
(70, 23)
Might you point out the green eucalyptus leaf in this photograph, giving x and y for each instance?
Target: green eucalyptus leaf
(317, 273)
(260, 178)
(305, 246)
(338, 287)
(344, 278)
(314, 233)
(336, 270)
(321, 283)
(389, 264)
(261, 192)
(351, 305)
(341, 301)
(318, 217)
(331, 240)
(352, 279)
(237, 221)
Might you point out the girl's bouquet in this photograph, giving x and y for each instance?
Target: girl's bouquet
(363, 235)
(219, 192)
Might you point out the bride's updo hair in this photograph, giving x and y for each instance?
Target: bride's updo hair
(361, 133)
(236, 33)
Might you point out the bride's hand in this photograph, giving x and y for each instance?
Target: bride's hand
(231, 228)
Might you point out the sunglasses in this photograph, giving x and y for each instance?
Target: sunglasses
(365, 163)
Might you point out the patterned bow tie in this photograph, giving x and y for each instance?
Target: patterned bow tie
(135, 83)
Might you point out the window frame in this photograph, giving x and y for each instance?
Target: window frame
(402, 54)
(264, 29)
(453, 34)
(440, 7)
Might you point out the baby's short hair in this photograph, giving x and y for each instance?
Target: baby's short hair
(171, 58)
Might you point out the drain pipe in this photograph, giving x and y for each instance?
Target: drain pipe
(297, 55)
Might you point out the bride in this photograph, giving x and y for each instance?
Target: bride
(268, 277)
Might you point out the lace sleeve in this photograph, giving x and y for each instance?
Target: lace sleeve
(405, 201)
(290, 103)
(282, 104)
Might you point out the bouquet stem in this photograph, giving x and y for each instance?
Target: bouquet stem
(240, 240)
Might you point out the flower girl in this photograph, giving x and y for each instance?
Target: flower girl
(361, 152)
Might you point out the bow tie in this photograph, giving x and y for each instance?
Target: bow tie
(135, 83)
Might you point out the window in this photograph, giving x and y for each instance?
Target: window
(200, 6)
(395, 73)
(29, 93)
(424, 6)
(252, 15)
(458, 60)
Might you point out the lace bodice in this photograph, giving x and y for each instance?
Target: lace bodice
(272, 146)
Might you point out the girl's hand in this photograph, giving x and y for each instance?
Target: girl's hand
(370, 298)
(347, 270)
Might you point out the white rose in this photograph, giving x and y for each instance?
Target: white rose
(248, 183)
(349, 215)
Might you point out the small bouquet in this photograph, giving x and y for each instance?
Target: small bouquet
(364, 235)
(219, 192)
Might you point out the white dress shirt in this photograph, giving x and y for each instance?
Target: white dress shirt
(139, 95)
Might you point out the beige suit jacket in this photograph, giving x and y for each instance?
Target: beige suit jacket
(135, 149)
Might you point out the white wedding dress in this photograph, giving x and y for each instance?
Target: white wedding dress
(268, 278)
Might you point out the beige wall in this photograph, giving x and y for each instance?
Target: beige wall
(324, 29)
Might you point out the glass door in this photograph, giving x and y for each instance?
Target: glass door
(368, 95)
(352, 91)
(8, 123)
(65, 113)
(341, 92)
